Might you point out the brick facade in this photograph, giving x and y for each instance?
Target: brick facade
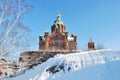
(91, 45)
(58, 39)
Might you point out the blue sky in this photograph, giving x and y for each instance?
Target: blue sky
(99, 19)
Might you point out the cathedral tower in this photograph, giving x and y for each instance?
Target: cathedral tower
(58, 40)
(58, 25)
(91, 45)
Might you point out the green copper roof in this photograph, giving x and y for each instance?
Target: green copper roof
(90, 40)
(46, 30)
(58, 19)
(73, 33)
(40, 34)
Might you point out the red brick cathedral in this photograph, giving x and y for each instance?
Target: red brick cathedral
(58, 39)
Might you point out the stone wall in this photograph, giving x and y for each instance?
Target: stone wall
(7, 68)
(31, 58)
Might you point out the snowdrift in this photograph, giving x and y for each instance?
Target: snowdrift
(88, 65)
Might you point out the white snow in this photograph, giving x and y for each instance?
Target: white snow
(70, 38)
(89, 65)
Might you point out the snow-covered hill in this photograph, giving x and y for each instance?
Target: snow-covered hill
(89, 65)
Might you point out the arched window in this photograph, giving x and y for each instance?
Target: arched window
(56, 37)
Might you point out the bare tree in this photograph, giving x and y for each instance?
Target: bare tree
(100, 46)
(13, 33)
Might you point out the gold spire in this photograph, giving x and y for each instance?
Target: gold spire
(40, 34)
(58, 19)
(46, 29)
(58, 14)
(90, 40)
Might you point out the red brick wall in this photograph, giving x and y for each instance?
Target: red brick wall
(57, 44)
